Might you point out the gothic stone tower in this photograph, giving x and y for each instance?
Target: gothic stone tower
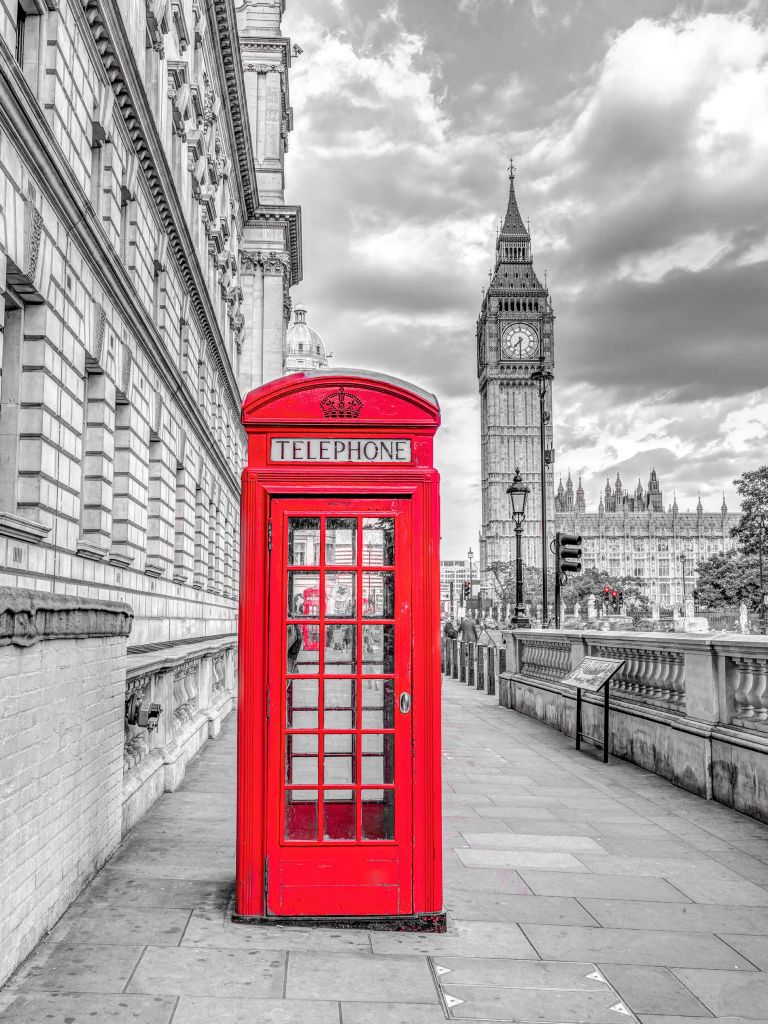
(515, 326)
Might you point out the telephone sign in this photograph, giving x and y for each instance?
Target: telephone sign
(339, 814)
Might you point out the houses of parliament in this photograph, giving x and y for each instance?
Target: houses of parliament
(631, 532)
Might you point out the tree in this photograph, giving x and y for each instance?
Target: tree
(727, 579)
(593, 581)
(753, 490)
(503, 580)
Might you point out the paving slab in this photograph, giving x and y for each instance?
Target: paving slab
(488, 906)
(465, 938)
(199, 1010)
(222, 933)
(119, 925)
(351, 976)
(729, 992)
(626, 946)
(115, 888)
(493, 858)
(518, 842)
(88, 1008)
(390, 1013)
(684, 917)
(622, 887)
(753, 947)
(222, 973)
(652, 990)
(77, 967)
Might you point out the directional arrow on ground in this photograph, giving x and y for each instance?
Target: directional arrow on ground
(621, 1008)
(451, 1001)
(442, 970)
(597, 976)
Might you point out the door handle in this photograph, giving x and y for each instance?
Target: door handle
(405, 703)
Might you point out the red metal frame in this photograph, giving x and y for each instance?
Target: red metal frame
(386, 409)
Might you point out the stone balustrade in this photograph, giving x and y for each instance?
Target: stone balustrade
(690, 707)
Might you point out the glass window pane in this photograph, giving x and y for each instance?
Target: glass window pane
(340, 649)
(378, 813)
(379, 650)
(378, 542)
(378, 760)
(339, 759)
(378, 703)
(339, 814)
(302, 649)
(303, 541)
(378, 595)
(300, 760)
(301, 703)
(340, 595)
(340, 541)
(339, 704)
(301, 814)
(303, 595)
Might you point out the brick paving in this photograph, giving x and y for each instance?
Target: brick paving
(577, 892)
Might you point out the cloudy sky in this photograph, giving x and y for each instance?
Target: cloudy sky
(640, 133)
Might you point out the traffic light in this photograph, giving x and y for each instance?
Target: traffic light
(567, 554)
(467, 590)
(606, 595)
(621, 600)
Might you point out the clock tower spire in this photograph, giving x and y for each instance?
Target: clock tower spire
(515, 336)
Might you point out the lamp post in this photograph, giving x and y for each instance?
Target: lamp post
(470, 555)
(518, 493)
(682, 563)
(543, 377)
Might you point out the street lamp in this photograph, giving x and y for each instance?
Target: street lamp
(518, 494)
(682, 563)
(543, 377)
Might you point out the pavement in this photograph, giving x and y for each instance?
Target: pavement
(577, 892)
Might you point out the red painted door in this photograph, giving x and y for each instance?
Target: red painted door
(339, 758)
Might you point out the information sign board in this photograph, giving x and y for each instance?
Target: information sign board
(592, 674)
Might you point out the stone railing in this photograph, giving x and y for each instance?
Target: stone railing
(194, 684)
(690, 707)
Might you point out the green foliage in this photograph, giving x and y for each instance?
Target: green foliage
(592, 581)
(753, 490)
(727, 579)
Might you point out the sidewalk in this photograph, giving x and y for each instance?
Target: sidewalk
(578, 892)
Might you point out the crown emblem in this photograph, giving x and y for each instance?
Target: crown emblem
(341, 405)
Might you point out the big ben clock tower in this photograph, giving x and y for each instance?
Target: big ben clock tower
(514, 339)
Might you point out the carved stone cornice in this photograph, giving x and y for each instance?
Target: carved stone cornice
(106, 24)
(226, 42)
(23, 121)
(29, 616)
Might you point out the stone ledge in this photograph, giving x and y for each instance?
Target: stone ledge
(29, 616)
(22, 529)
(165, 657)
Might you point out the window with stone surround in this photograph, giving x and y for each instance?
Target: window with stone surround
(97, 462)
(201, 538)
(31, 40)
(184, 536)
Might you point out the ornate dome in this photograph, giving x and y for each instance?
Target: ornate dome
(304, 347)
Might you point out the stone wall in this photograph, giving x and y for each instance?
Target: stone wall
(62, 710)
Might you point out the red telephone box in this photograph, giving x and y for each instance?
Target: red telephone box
(339, 809)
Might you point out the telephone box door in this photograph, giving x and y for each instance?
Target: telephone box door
(340, 757)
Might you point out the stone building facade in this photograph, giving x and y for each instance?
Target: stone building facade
(515, 328)
(631, 533)
(146, 257)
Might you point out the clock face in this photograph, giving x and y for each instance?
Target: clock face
(519, 341)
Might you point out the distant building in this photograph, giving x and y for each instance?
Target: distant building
(453, 571)
(632, 534)
(515, 328)
(304, 348)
